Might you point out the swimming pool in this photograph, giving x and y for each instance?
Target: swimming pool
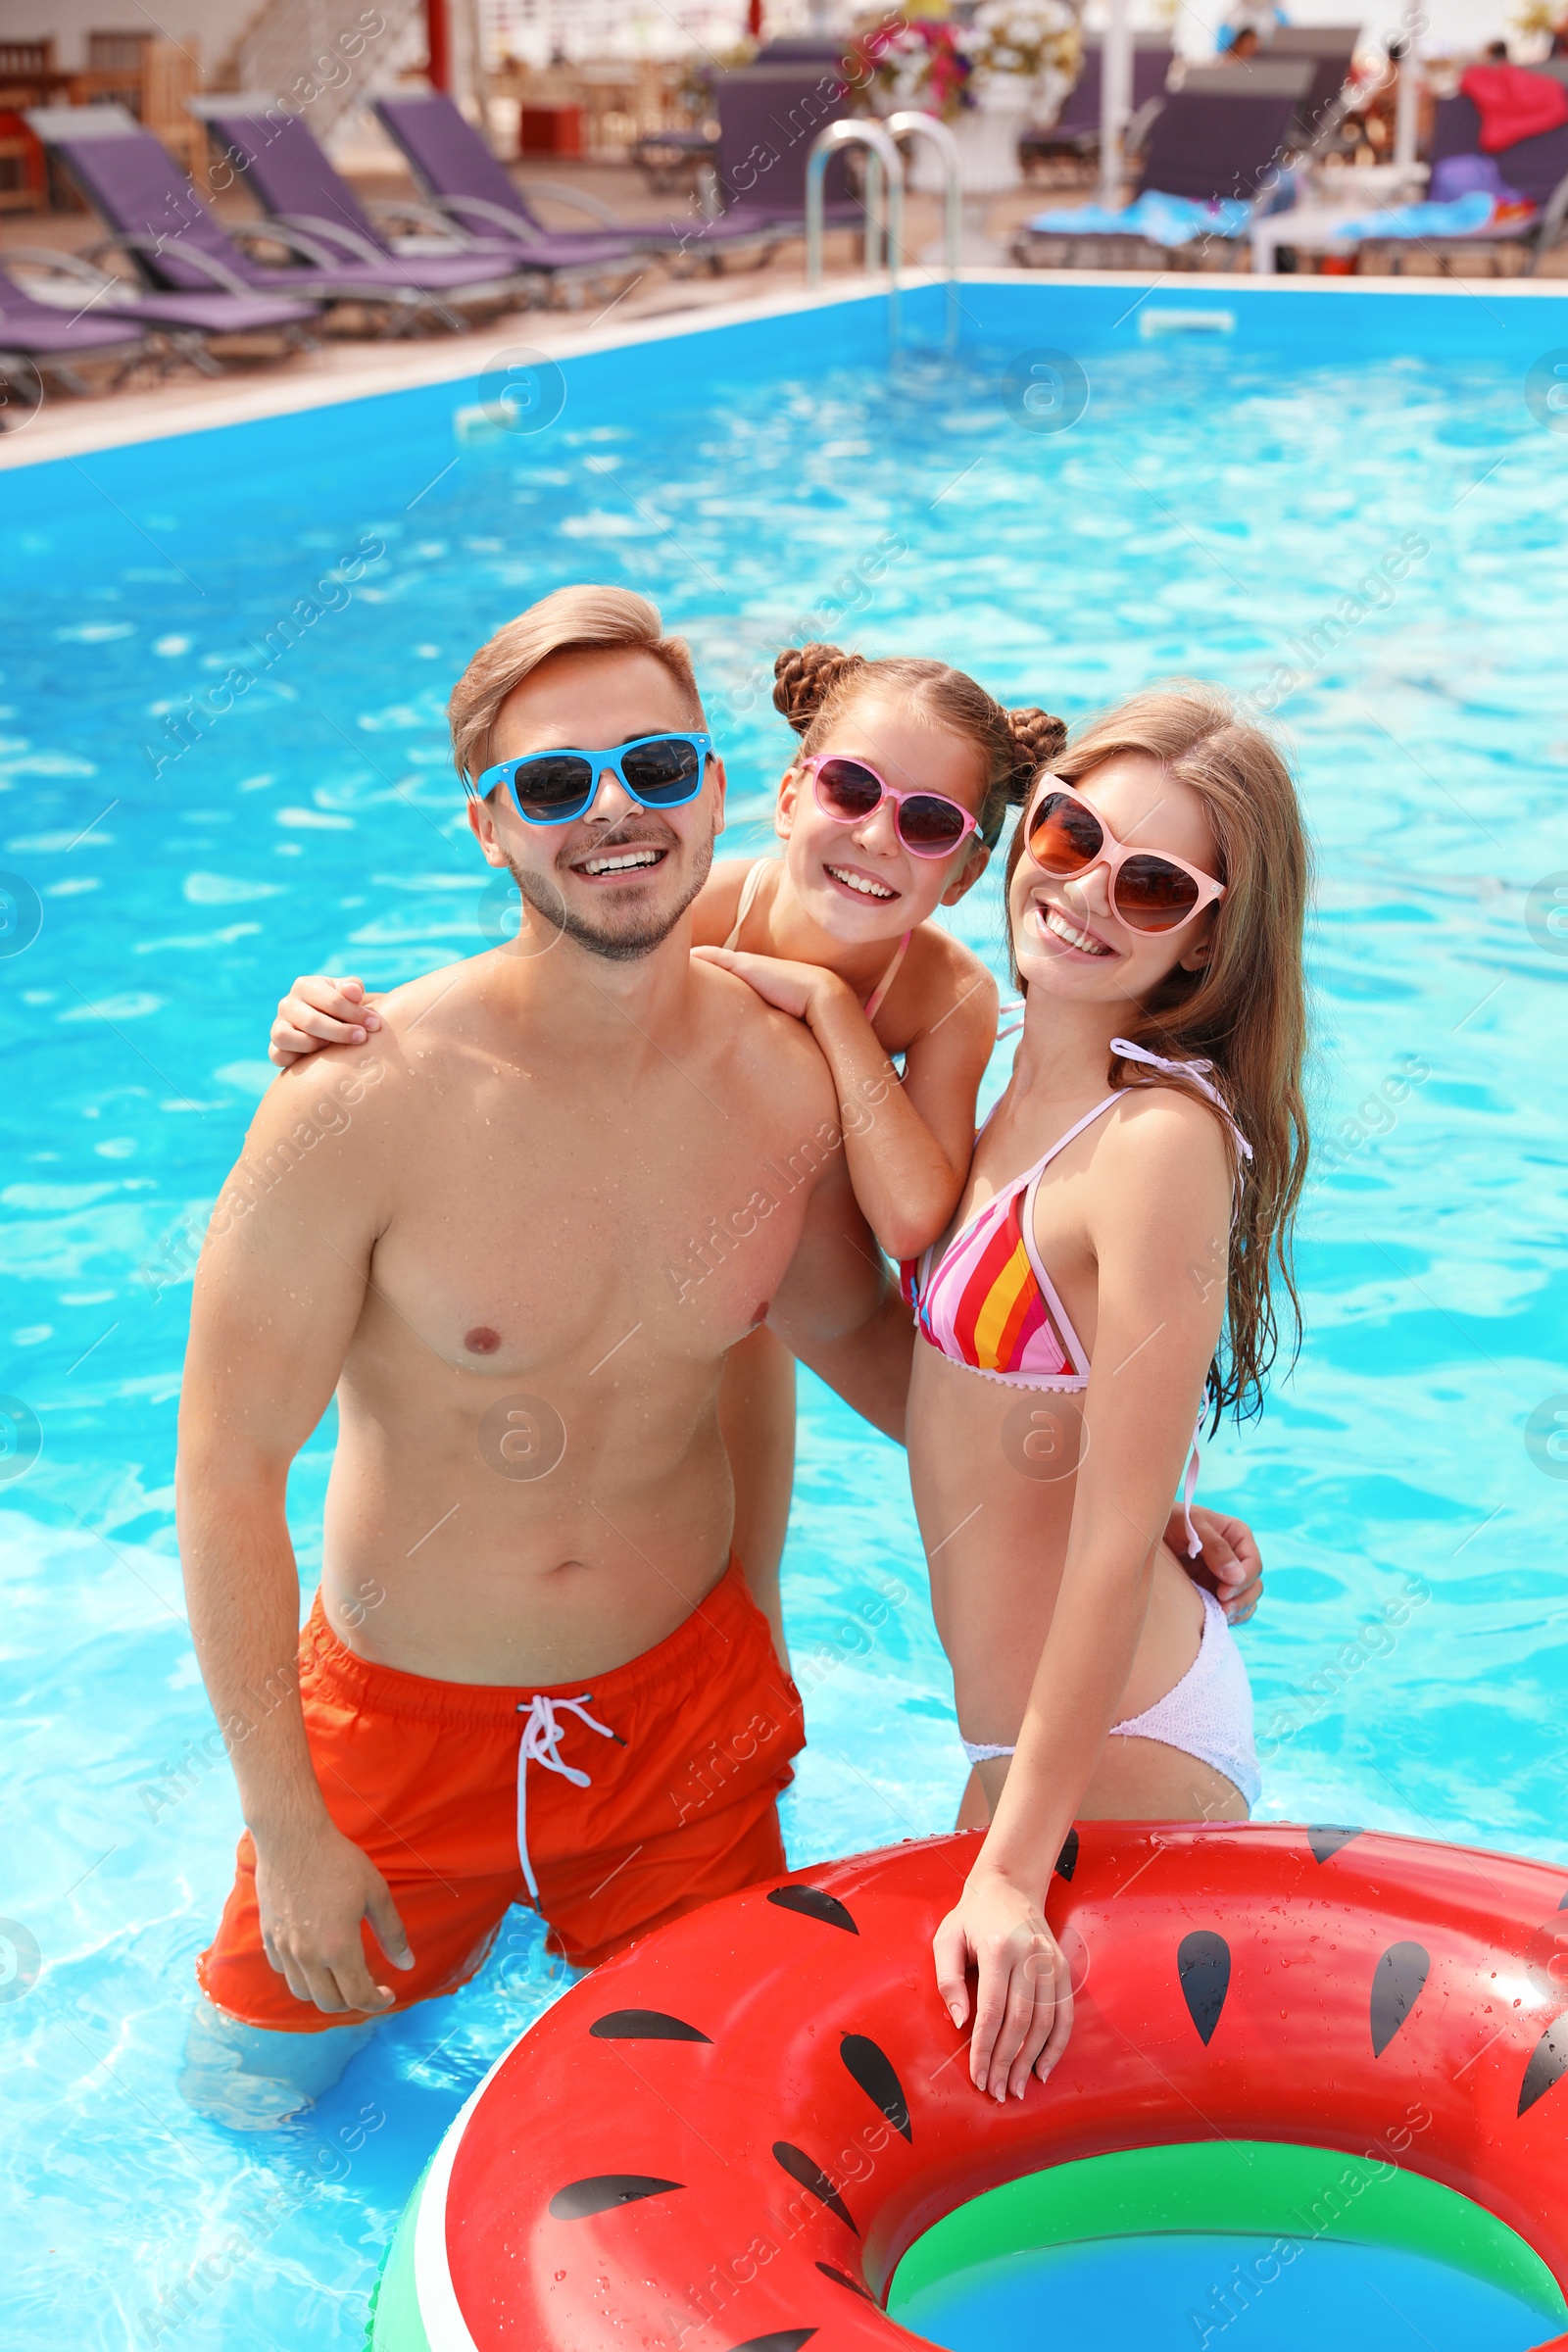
(1223, 493)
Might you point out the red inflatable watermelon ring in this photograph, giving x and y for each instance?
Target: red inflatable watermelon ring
(731, 2136)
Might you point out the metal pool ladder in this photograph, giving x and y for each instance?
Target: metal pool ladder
(909, 123)
(884, 216)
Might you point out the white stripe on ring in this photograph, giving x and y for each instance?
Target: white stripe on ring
(439, 2310)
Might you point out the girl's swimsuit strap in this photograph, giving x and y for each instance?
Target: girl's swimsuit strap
(748, 899)
(873, 1003)
(749, 890)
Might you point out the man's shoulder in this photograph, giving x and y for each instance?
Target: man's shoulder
(760, 1046)
(366, 1086)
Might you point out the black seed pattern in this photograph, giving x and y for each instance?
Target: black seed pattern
(872, 2069)
(800, 2167)
(1203, 1965)
(1563, 1905)
(783, 2339)
(1548, 2060)
(1396, 1986)
(581, 2198)
(1326, 1839)
(644, 2025)
(811, 1903)
(1067, 1859)
(843, 2278)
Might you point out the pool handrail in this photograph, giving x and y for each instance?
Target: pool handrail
(884, 172)
(910, 123)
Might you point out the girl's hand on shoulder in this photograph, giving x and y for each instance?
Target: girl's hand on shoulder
(1023, 1996)
(319, 1011)
(794, 988)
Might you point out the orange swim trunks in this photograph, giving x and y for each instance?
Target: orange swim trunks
(610, 1804)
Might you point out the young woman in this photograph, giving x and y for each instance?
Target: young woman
(1109, 1276)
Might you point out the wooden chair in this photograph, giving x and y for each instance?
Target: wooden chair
(27, 61)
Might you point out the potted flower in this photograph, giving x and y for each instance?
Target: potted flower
(986, 72)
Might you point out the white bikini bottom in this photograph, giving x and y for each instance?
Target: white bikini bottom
(1208, 1714)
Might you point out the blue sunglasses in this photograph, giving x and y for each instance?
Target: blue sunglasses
(551, 788)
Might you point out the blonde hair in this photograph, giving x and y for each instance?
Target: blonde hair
(1246, 1010)
(815, 684)
(568, 620)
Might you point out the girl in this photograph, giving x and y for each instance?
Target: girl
(1109, 1274)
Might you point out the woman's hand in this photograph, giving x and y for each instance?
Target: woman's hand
(1024, 1998)
(317, 1013)
(795, 988)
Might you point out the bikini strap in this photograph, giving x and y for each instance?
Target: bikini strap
(873, 1003)
(1197, 1073)
(749, 890)
(1072, 1135)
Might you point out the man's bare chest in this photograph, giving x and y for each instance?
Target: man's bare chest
(540, 1230)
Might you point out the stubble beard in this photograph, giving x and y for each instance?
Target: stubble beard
(637, 936)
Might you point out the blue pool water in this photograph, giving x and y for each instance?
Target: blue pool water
(1209, 513)
(1173, 2293)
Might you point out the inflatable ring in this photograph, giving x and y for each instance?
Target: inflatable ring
(731, 2136)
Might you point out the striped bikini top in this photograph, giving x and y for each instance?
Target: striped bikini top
(749, 891)
(987, 1301)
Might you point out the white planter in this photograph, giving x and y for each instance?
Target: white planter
(988, 142)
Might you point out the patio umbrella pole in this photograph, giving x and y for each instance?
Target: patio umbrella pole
(1406, 97)
(1115, 99)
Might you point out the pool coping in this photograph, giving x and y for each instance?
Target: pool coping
(559, 337)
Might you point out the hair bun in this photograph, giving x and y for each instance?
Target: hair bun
(1037, 740)
(806, 675)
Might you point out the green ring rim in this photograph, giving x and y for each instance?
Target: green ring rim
(1264, 2188)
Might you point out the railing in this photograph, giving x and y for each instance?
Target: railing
(909, 124)
(322, 56)
(884, 203)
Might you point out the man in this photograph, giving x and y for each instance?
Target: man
(517, 1232)
(533, 1666)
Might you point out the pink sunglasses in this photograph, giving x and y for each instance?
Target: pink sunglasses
(1150, 892)
(849, 791)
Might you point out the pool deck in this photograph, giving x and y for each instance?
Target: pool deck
(655, 305)
(345, 371)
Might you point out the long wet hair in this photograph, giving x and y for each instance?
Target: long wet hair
(1246, 1010)
(815, 684)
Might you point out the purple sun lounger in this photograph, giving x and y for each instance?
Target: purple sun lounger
(1332, 51)
(156, 217)
(464, 181)
(768, 119)
(1535, 167)
(285, 165)
(38, 338)
(1076, 129)
(184, 319)
(1215, 140)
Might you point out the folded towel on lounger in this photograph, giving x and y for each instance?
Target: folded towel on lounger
(1162, 219)
(1464, 216)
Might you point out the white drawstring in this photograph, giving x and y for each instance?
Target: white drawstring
(1194, 1541)
(541, 1745)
